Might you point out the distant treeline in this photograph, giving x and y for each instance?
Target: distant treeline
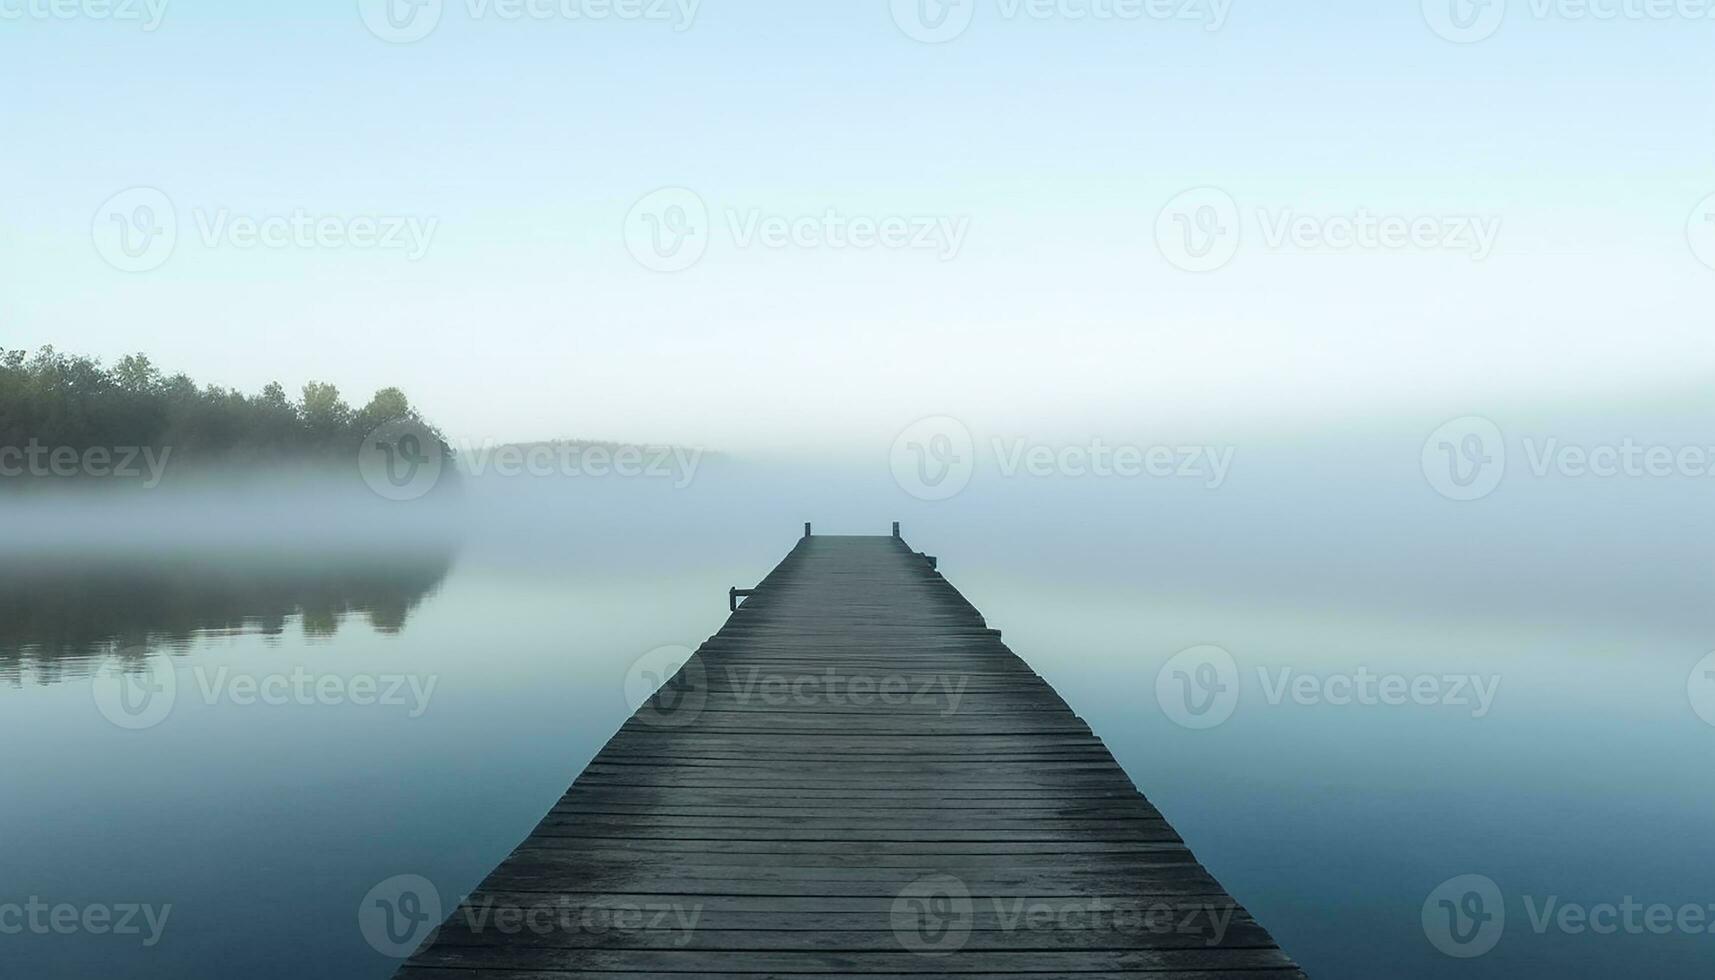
(59, 400)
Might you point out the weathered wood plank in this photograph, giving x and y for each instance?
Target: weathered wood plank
(854, 777)
(522, 957)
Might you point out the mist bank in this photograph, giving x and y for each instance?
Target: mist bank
(1553, 515)
(283, 509)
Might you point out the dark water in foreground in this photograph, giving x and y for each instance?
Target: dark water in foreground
(263, 814)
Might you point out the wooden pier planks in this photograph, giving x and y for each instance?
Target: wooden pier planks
(854, 777)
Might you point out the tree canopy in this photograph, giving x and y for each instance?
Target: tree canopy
(57, 399)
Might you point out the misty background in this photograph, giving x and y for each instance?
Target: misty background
(517, 156)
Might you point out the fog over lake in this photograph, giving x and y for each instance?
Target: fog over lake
(479, 643)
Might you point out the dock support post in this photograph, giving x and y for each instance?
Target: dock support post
(896, 529)
(806, 529)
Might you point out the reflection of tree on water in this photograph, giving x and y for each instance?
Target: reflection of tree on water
(63, 618)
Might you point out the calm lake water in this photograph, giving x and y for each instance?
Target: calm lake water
(1584, 775)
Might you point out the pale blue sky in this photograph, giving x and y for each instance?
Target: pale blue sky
(1059, 142)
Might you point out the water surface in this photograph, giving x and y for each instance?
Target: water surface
(263, 825)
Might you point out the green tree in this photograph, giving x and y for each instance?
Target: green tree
(64, 400)
(325, 414)
(134, 372)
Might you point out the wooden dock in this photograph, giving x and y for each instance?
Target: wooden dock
(854, 777)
